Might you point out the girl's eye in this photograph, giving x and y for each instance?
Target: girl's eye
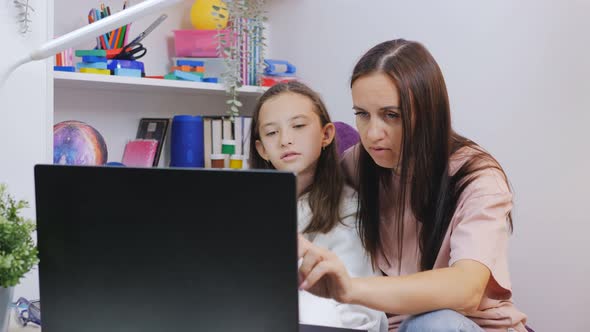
(270, 133)
(361, 114)
(299, 126)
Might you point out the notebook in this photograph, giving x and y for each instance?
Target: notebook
(140, 153)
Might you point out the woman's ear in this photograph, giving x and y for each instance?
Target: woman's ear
(328, 133)
(261, 150)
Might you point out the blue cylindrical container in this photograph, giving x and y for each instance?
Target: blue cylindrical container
(186, 141)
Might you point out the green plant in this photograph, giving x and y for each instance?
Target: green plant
(24, 15)
(18, 253)
(233, 54)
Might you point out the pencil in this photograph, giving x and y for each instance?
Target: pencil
(125, 28)
(111, 37)
(122, 37)
(118, 35)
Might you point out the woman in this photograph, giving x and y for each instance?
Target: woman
(434, 207)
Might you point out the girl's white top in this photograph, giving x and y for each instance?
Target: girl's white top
(344, 241)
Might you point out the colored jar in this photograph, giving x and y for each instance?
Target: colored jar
(217, 161)
(236, 161)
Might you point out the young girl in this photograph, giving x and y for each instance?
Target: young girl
(291, 131)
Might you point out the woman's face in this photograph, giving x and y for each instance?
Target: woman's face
(376, 105)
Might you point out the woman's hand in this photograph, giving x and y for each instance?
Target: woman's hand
(322, 273)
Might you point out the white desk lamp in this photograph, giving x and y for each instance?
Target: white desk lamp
(88, 32)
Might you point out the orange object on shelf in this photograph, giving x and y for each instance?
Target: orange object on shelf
(183, 68)
(272, 80)
(113, 52)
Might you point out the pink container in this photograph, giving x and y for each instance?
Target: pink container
(196, 43)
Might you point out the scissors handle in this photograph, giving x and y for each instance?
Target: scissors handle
(132, 51)
(138, 52)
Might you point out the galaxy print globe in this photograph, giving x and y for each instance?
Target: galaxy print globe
(77, 143)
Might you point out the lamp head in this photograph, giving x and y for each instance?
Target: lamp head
(88, 32)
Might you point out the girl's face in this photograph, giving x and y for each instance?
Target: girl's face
(291, 134)
(378, 118)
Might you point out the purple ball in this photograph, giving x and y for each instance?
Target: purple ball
(77, 143)
(346, 136)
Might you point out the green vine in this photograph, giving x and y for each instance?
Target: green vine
(24, 15)
(252, 10)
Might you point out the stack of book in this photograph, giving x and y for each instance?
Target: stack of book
(190, 70)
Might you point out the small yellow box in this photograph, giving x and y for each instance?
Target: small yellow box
(95, 71)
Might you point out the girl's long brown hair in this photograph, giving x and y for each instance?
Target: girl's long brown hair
(326, 188)
(427, 146)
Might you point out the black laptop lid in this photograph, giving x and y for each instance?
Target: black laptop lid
(125, 249)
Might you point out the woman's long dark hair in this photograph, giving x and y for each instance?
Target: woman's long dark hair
(326, 188)
(426, 148)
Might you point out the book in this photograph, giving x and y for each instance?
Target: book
(207, 146)
(247, 123)
(238, 132)
(216, 136)
(153, 128)
(227, 129)
(140, 153)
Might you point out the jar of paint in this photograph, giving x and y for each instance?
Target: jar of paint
(236, 161)
(217, 161)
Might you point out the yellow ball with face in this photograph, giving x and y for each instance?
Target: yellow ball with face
(209, 14)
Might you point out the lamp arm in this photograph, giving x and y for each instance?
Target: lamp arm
(89, 31)
(5, 72)
(100, 27)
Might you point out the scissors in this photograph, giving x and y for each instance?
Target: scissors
(131, 51)
(135, 50)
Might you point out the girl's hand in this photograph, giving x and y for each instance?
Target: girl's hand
(322, 273)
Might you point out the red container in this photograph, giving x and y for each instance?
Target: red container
(196, 43)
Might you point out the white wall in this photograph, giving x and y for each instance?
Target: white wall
(518, 75)
(25, 113)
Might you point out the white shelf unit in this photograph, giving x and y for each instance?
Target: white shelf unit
(67, 80)
(114, 105)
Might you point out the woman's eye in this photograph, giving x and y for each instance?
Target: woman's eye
(392, 115)
(270, 133)
(299, 126)
(361, 114)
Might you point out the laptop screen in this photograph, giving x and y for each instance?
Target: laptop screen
(124, 249)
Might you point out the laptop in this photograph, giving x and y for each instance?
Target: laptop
(153, 250)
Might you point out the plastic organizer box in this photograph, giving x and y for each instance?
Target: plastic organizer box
(196, 43)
